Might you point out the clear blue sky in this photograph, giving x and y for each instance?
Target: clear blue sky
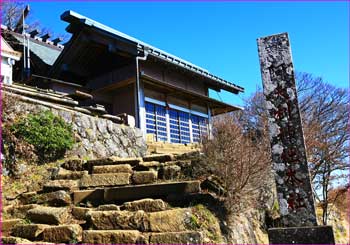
(221, 36)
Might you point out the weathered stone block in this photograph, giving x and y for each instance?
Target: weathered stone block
(122, 168)
(184, 237)
(63, 234)
(56, 185)
(170, 220)
(113, 237)
(127, 193)
(68, 174)
(20, 211)
(96, 180)
(48, 215)
(115, 161)
(170, 172)
(80, 212)
(108, 207)
(29, 231)
(27, 197)
(151, 164)
(158, 157)
(144, 177)
(57, 198)
(75, 165)
(95, 195)
(7, 225)
(147, 205)
(115, 220)
(15, 240)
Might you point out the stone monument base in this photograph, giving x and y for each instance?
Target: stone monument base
(302, 235)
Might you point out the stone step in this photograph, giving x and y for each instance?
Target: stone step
(70, 175)
(147, 205)
(170, 172)
(63, 234)
(19, 240)
(79, 213)
(167, 170)
(113, 237)
(98, 180)
(151, 165)
(172, 220)
(108, 207)
(49, 215)
(136, 237)
(7, 225)
(144, 177)
(158, 158)
(182, 237)
(162, 221)
(20, 211)
(122, 168)
(94, 196)
(28, 197)
(114, 161)
(131, 193)
(157, 164)
(56, 185)
(53, 234)
(118, 220)
(75, 165)
(169, 150)
(29, 231)
(56, 198)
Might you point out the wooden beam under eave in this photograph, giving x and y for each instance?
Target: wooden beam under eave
(116, 85)
(221, 107)
(218, 111)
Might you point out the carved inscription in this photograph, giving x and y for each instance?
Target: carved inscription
(286, 135)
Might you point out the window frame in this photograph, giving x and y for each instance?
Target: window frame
(176, 127)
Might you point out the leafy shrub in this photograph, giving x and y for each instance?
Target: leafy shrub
(49, 134)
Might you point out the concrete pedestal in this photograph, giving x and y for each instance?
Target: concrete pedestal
(302, 235)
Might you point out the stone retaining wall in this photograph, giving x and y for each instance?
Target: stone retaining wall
(95, 137)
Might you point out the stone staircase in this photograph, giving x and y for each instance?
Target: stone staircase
(110, 200)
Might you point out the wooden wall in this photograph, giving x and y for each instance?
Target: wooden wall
(173, 77)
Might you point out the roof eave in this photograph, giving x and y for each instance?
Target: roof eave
(73, 17)
(220, 83)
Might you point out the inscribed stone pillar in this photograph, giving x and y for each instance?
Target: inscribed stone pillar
(288, 151)
(286, 135)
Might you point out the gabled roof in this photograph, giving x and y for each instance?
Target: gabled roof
(46, 52)
(76, 19)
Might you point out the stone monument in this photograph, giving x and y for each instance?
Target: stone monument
(288, 151)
